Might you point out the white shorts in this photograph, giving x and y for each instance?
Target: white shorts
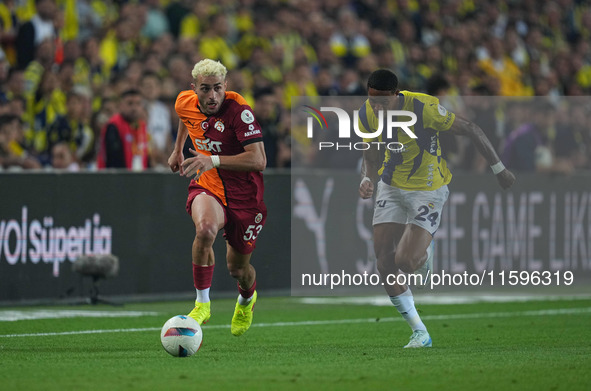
(420, 207)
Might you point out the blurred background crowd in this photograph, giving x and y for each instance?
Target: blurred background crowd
(66, 66)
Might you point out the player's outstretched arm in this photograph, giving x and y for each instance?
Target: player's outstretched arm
(469, 129)
(369, 173)
(176, 157)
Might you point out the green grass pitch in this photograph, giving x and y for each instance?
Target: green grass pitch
(542, 345)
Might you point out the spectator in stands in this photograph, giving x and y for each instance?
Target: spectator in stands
(12, 151)
(118, 46)
(326, 83)
(14, 85)
(350, 84)
(509, 48)
(4, 68)
(156, 23)
(268, 112)
(48, 103)
(159, 124)
(214, 42)
(499, 65)
(62, 158)
(239, 83)
(191, 24)
(4, 106)
(18, 107)
(178, 68)
(73, 128)
(348, 43)
(124, 139)
(528, 147)
(8, 29)
(89, 21)
(175, 12)
(35, 31)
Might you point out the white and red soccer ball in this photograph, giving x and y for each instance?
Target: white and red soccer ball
(181, 336)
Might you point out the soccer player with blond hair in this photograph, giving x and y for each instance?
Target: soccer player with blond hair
(227, 186)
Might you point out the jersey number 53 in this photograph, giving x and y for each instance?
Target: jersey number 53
(252, 232)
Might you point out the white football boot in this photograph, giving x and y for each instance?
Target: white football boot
(419, 339)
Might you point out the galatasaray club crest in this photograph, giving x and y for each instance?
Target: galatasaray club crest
(219, 125)
(258, 218)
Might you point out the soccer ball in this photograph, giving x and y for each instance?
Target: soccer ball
(181, 336)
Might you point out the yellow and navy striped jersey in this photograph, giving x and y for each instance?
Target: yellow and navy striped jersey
(419, 166)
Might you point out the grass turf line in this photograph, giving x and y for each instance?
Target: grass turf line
(520, 353)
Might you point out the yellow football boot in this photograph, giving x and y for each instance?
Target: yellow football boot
(242, 318)
(202, 312)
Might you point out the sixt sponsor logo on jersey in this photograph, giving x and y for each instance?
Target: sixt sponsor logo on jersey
(208, 145)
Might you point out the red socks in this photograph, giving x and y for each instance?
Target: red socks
(202, 276)
(247, 294)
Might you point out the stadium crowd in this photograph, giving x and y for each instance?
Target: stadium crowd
(65, 64)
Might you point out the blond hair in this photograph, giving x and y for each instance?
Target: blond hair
(209, 67)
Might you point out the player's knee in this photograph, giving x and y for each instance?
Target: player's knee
(235, 271)
(205, 233)
(405, 261)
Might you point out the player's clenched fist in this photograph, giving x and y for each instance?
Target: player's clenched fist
(505, 179)
(175, 162)
(366, 188)
(197, 165)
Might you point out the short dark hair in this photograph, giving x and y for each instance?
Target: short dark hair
(383, 80)
(13, 71)
(436, 84)
(8, 118)
(151, 74)
(129, 92)
(263, 91)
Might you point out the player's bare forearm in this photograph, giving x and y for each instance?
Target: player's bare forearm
(181, 136)
(369, 170)
(371, 164)
(252, 159)
(469, 129)
(176, 157)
